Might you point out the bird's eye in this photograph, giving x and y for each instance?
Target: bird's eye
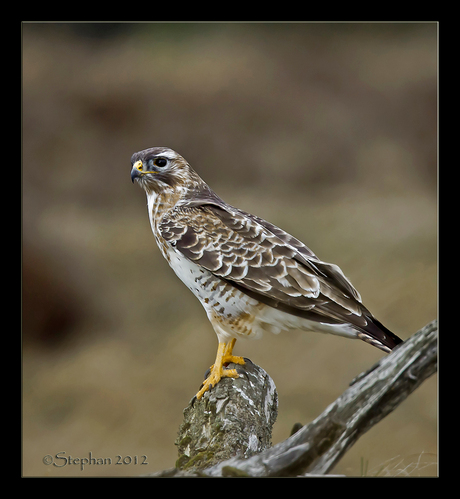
(160, 162)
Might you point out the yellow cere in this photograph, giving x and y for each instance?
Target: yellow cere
(138, 165)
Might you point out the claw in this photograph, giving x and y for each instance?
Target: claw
(216, 372)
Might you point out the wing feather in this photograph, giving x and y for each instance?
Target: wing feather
(263, 260)
(270, 265)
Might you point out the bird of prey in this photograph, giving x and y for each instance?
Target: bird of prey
(250, 276)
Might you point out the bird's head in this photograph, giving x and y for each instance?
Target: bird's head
(159, 168)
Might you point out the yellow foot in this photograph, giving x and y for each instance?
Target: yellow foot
(214, 378)
(224, 356)
(227, 356)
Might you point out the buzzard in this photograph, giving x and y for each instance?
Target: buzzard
(250, 276)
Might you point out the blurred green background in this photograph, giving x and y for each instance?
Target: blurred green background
(327, 130)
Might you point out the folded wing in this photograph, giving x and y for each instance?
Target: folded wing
(270, 265)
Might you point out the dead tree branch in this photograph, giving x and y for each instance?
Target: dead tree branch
(227, 433)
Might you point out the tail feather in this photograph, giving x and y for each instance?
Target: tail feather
(378, 335)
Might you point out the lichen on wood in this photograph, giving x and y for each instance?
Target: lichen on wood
(235, 418)
(228, 432)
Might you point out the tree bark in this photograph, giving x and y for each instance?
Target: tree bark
(235, 418)
(228, 432)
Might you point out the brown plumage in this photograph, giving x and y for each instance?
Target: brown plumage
(249, 275)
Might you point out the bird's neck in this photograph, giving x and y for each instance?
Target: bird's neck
(159, 203)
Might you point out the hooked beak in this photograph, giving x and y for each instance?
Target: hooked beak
(136, 171)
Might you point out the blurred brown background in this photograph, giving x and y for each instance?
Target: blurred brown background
(328, 130)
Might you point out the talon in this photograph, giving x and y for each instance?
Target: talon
(216, 372)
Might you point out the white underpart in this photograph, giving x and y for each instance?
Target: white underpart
(267, 319)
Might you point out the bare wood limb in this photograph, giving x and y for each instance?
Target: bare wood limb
(317, 447)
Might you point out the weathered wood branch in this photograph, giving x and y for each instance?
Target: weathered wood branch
(227, 433)
(234, 418)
